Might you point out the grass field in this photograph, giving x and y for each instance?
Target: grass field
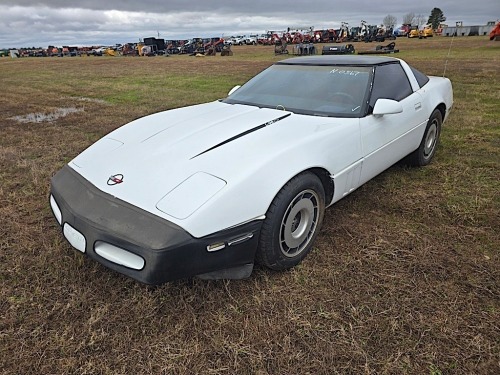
(404, 277)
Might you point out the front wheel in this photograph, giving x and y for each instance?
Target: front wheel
(292, 222)
(427, 148)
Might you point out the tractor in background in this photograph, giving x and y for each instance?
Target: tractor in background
(495, 32)
(226, 50)
(414, 32)
(129, 49)
(213, 45)
(427, 31)
(343, 34)
(325, 36)
(192, 47)
(281, 47)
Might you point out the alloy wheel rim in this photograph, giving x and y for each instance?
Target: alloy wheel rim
(299, 223)
(430, 139)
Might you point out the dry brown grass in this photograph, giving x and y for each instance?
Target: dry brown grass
(404, 278)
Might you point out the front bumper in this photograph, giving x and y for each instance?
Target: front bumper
(144, 246)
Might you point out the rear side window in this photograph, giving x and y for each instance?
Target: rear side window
(390, 82)
(421, 78)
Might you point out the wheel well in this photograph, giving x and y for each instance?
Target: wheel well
(326, 181)
(442, 109)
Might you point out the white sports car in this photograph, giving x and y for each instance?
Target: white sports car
(208, 190)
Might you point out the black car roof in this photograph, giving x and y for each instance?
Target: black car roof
(337, 60)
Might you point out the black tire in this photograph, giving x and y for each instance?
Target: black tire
(427, 148)
(292, 222)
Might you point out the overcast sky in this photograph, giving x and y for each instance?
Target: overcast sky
(107, 22)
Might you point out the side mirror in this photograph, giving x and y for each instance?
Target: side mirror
(233, 90)
(387, 107)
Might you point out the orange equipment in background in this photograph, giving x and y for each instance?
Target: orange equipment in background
(495, 32)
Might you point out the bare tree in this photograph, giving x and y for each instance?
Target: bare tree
(409, 18)
(420, 20)
(389, 21)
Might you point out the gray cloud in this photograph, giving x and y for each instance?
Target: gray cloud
(58, 22)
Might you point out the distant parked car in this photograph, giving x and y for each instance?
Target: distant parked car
(237, 40)
(251, 40)
(209, 189)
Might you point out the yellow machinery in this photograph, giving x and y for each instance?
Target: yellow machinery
(139, 49)
(427, 31)
(110, 52)
(413, 33)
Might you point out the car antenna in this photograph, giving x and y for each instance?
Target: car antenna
(449, 52)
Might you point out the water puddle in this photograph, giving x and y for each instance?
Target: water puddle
(45, 117)
(89, 100)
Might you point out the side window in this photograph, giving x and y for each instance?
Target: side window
(422, 79)
(390, 82)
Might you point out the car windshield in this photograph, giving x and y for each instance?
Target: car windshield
(339, 91)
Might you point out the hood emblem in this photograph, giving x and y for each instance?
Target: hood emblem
(115, 179)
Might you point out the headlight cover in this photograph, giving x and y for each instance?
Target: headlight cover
(182, 201)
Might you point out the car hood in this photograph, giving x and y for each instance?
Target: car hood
(168, 143)
(211, 145)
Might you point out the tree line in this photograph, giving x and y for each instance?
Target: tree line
(434, 19)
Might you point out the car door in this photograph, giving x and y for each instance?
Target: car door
(388, 138)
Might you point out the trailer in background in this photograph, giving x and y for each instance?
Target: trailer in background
(460, 30)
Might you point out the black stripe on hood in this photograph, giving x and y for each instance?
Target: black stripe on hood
(243, 134)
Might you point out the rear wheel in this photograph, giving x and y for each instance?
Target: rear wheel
(292, 222)
(425, 152)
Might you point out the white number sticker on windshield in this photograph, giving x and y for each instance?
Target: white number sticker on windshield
(345, 72)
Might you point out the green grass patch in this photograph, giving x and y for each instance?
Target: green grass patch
(404, 277)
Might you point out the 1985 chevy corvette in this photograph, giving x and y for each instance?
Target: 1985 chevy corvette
(208, 190)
